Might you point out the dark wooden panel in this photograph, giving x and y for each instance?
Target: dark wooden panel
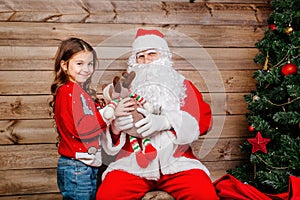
(25, 107)
(113, 58)
(218, 149)
(103, 35)
(128, 12)
(28, 156)
(218, 169)
(37, 107)
(28, 131)
(31, 184)
(38, 82)
(28, 181)
(42, 156)
(213, 43)
(230, 126)
(50, 196)
(42, 131)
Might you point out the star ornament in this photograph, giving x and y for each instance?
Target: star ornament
(259, 143)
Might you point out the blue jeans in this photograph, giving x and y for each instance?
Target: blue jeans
(76, 180)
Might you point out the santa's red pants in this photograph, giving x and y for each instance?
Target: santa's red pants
(187, 185)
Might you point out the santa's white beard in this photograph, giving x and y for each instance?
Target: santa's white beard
(159, 84)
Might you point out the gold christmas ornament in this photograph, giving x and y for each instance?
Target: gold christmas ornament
(289, 29)
(265, 67)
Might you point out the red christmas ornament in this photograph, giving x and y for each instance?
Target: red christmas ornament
(259, 143)
(251, 128)
(272, 27)
(289, 69)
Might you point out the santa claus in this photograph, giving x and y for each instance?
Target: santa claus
(179, 116)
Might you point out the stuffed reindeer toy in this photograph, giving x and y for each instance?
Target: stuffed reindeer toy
(119, 89)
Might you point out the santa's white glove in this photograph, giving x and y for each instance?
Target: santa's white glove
(151, 123)
(122, 123)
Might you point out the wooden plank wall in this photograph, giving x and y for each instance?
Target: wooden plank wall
(213, 41)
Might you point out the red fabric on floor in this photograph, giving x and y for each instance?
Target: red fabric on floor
(294, 188)
(229, 187)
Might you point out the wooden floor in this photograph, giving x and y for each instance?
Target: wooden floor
(213, 44)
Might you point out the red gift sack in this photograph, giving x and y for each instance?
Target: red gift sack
(229, 187)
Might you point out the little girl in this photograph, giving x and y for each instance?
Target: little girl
(78, 119)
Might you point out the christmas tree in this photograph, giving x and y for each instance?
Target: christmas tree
(273, 145)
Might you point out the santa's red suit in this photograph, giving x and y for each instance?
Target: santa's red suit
(175, 169)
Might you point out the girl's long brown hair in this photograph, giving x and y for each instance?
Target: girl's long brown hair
(65, 51)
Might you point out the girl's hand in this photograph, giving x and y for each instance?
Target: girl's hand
(124, 107)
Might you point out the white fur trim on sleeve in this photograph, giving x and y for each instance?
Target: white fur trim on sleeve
(185, 126)
(108, 145)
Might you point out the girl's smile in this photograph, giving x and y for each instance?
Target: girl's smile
(80, 67)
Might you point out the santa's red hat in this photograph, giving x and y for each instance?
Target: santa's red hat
(149, 39)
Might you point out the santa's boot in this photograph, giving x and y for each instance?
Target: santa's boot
(150, 151)
(139, 155)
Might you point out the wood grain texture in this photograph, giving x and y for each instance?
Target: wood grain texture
(37, 106)
(20, 58)
(28, 184)
(103, 35)
(213, 44)
(43, 131)
(128, 12)
(38, 175)
(28, 181)
(28, 131)
(49, 196)
(38, 82)
(45, 155)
